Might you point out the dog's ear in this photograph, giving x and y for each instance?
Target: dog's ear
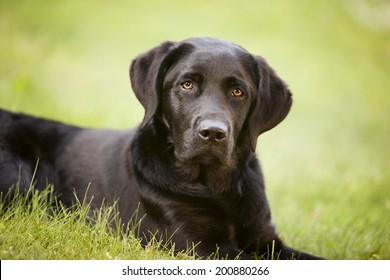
(272, 104)
(147, 73)
(144, 75)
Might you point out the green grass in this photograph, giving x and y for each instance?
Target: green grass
(37, 226)
(327, 166)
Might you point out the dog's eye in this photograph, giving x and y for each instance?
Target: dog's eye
(187, 85)
(237, 92)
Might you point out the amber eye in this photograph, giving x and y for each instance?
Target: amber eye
(237, 92)
(187, 85)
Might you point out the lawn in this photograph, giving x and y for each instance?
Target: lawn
(327, 166)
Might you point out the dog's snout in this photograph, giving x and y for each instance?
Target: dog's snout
(212, 131)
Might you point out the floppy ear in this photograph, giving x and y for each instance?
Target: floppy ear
(144, 75)
(272, 104)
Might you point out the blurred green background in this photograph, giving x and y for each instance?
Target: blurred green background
(327, 166)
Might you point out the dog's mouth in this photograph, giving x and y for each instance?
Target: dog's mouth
(206, 156)
(206, 159)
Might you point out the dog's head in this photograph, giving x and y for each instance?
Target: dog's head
(211, 95)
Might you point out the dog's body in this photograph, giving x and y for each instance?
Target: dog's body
(190, 168)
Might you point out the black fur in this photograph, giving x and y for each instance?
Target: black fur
(190, 166)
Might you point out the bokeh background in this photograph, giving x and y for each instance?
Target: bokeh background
(327, 166)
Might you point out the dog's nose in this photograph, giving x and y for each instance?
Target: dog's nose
(212, 131)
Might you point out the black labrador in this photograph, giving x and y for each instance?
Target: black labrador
(190, 168)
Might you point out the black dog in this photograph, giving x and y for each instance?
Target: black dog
(190, 167)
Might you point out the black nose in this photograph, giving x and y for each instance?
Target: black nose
(212, 131)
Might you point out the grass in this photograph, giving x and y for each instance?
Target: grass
(327, 166)
(51, 231)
